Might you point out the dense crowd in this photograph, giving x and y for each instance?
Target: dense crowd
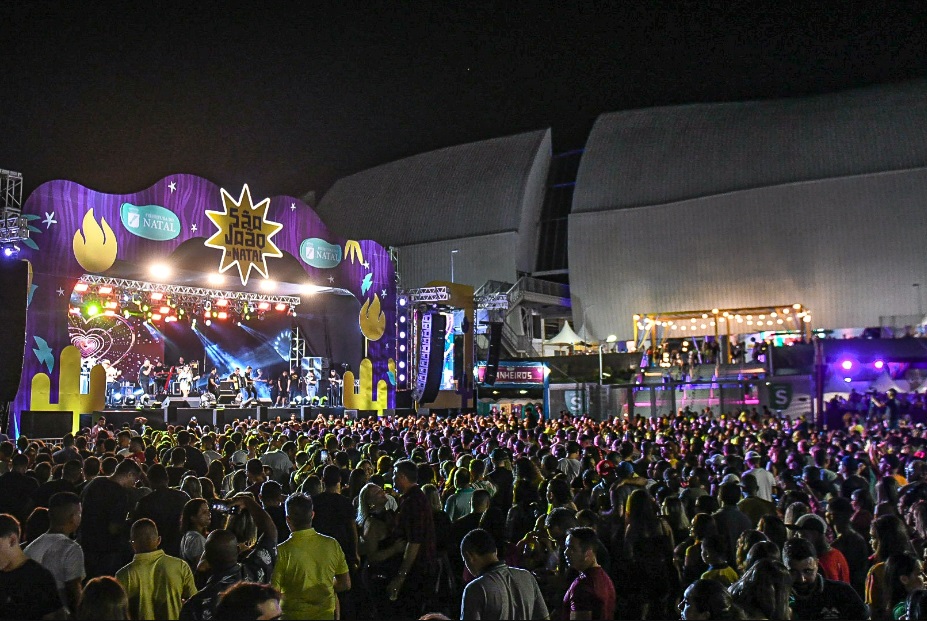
(702, 516)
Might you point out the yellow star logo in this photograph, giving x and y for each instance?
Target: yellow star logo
(244, 234)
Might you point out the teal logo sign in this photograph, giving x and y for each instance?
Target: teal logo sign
(319, 253)
(150, 221)
(780, 396)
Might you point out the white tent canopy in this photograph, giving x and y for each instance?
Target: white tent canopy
(884, 383)
(566, 336)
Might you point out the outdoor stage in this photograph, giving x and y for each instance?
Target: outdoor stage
(186, 269)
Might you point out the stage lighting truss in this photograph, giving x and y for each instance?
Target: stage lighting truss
(180, 301)
(426, 294)
(13, 227)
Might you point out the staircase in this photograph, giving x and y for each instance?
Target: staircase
(527, 298)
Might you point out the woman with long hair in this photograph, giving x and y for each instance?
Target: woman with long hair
(745, 542)
(904, 576)
(888, 536)
(676, 517)
(526, 506)
(763, 591)
(648, 551)
(380, 552)
(194, 525)
(703, 525)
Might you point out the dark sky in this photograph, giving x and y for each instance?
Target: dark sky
(291, 97)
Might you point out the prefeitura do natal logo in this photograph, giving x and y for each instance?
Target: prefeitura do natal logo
(244, 234)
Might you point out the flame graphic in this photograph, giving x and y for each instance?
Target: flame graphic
(95, 247)
(372, 321)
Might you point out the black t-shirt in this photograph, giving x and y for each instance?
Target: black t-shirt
(278, 515)
(164, 507)
(334, 516)
(830, 600)
(50, 488)
(504, 481)
(17, 491)
(196, 461)
(104, 503)
(28, 592)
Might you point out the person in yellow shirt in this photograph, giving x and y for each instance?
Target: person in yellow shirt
(310, 567)
(156, 583)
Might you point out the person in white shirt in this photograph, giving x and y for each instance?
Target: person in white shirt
(764, 478)
(570, 465)
(57, 552)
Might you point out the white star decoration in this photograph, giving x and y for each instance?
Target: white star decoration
(172, 186)
(367, 265)
(383, 294)
(331, 279)
(49, 220)
(60, 292)
(292, 206)
(193, 227)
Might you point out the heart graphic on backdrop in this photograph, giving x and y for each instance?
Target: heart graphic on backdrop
(101, 337)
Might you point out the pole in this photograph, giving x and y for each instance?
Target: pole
(600, 367)
(453, 252)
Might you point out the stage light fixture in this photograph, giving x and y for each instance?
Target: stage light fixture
(402, 301)
(846, 365)
(93, 310)
(81, 287)
(402, 377)
(402, 319)
(165, 310)
(156, 316)
(160, 271)
(215, 314)
(157, 295)
(222, 302)
(105, 290)
(223, 315)
(207, 306)
(247, 317)
(125, 313)
(402, 348)
(879, 364)
(75, 310)
(10, 250)
(145, 308)
(280, 307)
(111, 305)
(208, 322)
(109, 313)
(264, 306)
(402, 335)
(402, 364)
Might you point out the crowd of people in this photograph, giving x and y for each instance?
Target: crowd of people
(698, 516)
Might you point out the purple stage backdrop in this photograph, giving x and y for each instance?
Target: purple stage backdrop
(77, 231)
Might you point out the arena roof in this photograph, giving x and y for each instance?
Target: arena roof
(662, 155)
(469, 190)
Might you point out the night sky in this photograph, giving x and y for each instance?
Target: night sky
(291, 97)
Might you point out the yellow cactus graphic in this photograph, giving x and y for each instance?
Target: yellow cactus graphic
(363, 399)
(69, 397)
(352, 249)
(95, 247)
(372, 320)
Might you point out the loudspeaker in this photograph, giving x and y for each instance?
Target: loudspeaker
(203, 416)
(459, 370)
(14, 280)
(228, 415)
(404, 399)
(42, 424)
(178, 402)
(431, 358)
(492, 358)
(226, 399)
(85, 421)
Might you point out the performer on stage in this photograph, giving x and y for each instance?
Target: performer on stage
(144, 376)
(250, 391)
(185, 377)
(295, 385)
(211, 394)
(112, 374)
(281, 389)
(161, 377)
(312, 384)
(334, 388)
